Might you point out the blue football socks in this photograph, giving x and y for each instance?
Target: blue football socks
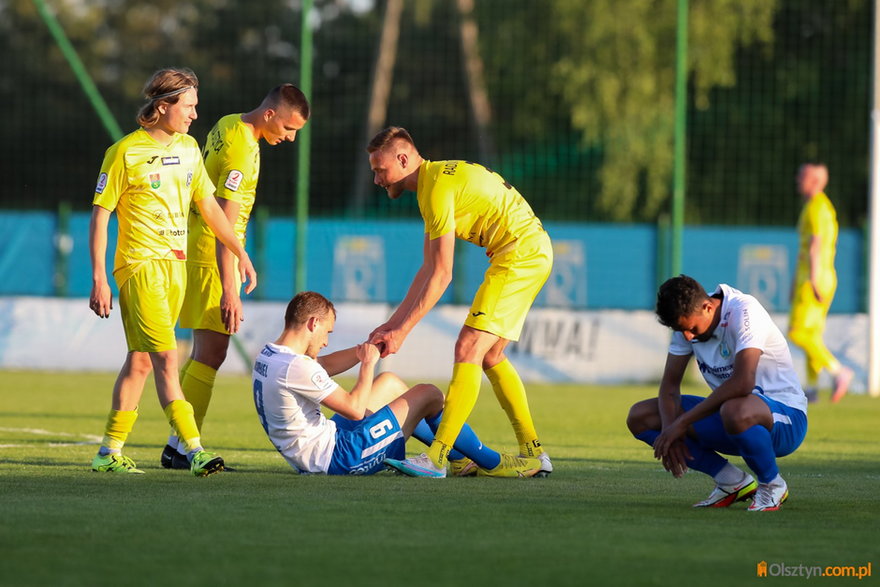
(756, 448)
(466, 445)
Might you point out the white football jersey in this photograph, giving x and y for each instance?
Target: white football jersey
(288, 390)
(745, 324)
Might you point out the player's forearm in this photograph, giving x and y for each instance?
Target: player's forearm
(226, 266)
(435, 284)
(412, 296)
(221, 226)
(669, 405)
(815, 260)
(98, 245)
(360, 394)
(339, 361)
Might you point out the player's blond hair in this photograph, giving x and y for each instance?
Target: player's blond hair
(165, 87)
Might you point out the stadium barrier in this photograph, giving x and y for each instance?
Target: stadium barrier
(596, 266)
(609, 346)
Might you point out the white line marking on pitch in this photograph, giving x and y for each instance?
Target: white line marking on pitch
(89, 438)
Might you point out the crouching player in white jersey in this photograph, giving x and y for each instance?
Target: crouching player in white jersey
(756, 410)
(372, 422)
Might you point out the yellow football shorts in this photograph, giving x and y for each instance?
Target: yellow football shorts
(510, 286)
(149, 302)
(808, 313)
(201, 305)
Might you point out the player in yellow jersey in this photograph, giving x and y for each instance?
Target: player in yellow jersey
(212, 304)
(815, 281)
(468, 201)
(150, 178)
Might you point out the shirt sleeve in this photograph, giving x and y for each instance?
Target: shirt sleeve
(112, 180)
(235, 167)
(201, 183)
(812, 220)
(679, 345)
(308, 378)
(439, 212)
(750, 324)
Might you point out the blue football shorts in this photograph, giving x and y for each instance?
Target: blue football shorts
(363, 445)
(788, 432)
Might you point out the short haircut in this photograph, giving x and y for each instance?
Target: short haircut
(304, 305)
(678, 297)
(290, 96)
(388, 136)
(173, 81)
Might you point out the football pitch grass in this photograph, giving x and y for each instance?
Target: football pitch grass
(608, 515)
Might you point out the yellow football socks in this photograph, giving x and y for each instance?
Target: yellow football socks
(460, 399)
(197, 382)
(119, 425)
(511, 394)
(180, 415)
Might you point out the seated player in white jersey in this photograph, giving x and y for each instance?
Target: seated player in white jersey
(757, 408)
(372, 422)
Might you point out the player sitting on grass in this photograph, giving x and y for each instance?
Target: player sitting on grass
(372, 422)
(756, 410)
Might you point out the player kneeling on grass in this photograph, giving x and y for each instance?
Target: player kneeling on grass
(756, 410)
(372, 422)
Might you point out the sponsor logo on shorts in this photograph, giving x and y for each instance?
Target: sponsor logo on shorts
(102, 183)
(171, 160)
(155, 180)
(233, 180)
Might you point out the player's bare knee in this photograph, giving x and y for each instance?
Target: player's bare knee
(494, 356)
(389, 378)
(641, 416)
(140, 365)
(736, 416)
(429, 396)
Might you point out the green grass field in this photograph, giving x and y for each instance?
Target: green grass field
(608, 515)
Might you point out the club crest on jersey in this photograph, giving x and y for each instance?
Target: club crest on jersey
(102, 183)
(171, 160)
(189, 178)
(155, 181)
(233, 180)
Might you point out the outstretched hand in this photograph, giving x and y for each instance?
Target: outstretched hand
(388, 341)
(367, 353)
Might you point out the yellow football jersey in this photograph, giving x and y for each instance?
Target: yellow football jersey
(818, 218)
(474, 201)
(151, 187)
(232, 159)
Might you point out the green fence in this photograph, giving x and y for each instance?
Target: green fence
(571, 100)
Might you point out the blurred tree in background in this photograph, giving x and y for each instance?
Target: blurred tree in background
(580, 97)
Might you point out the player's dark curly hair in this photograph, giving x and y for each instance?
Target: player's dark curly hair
(306, 304)
(678, 297)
